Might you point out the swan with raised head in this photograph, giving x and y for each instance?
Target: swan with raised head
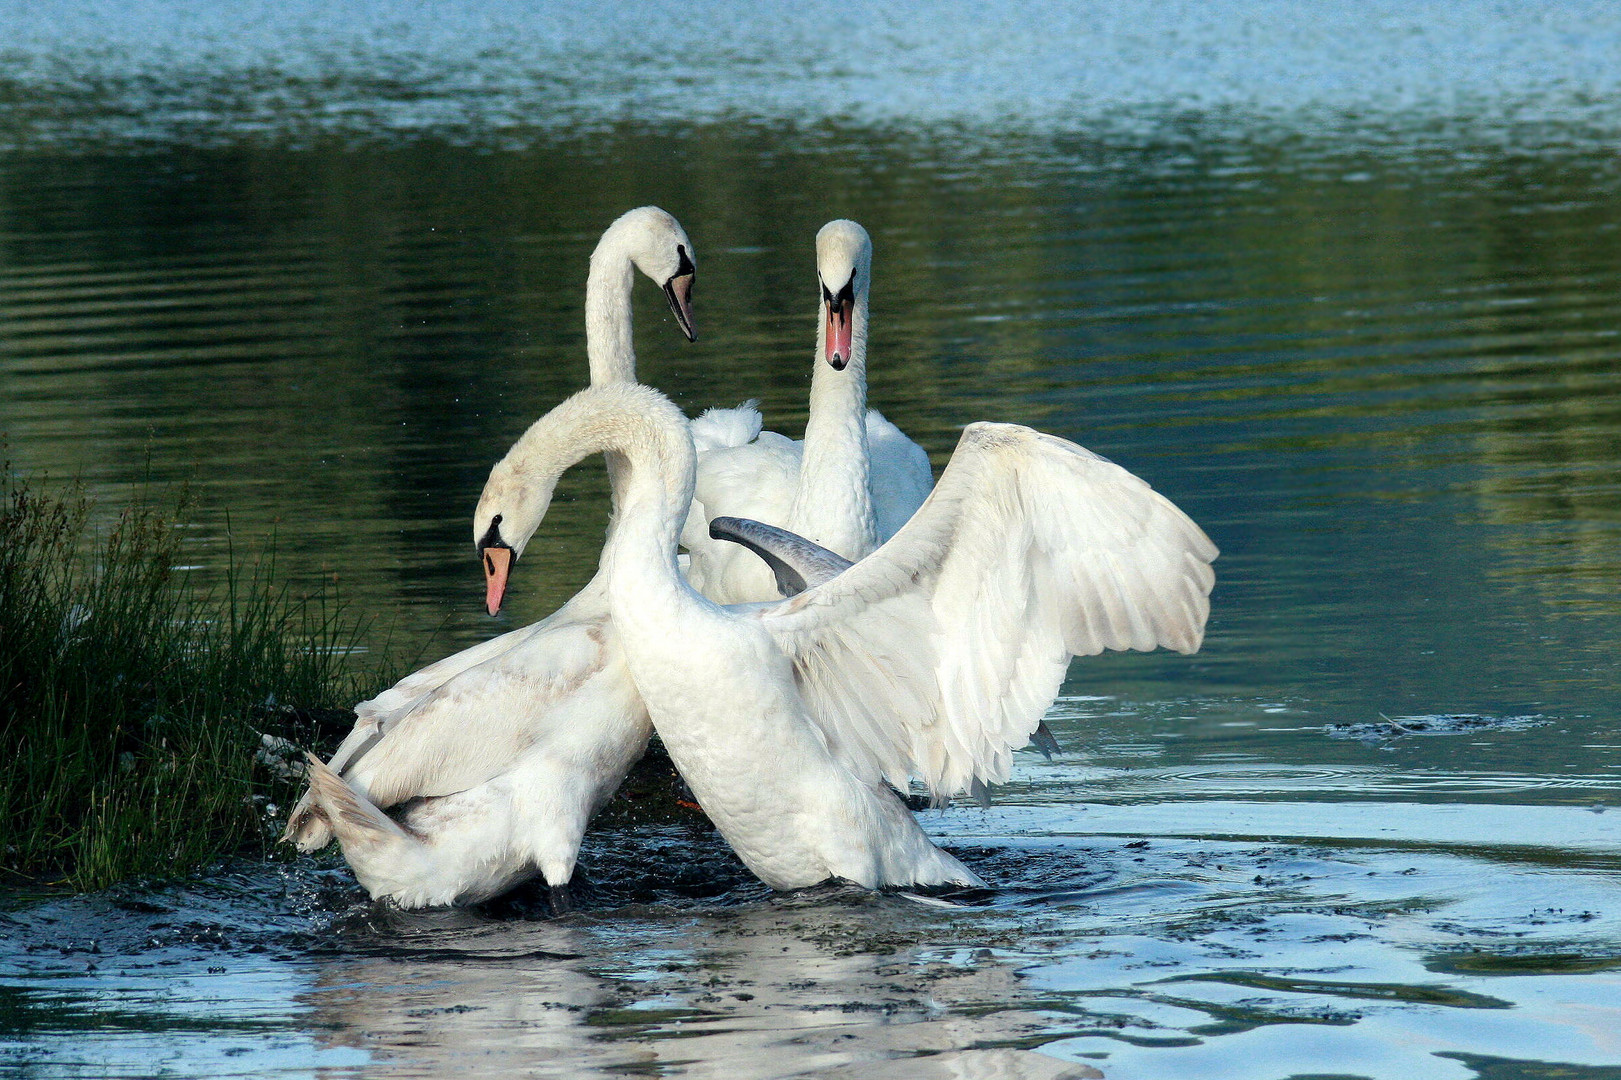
(852, 482)
(934, 657)
(503, 751)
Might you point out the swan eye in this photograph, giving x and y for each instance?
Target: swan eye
(492, 535)
(683, 264)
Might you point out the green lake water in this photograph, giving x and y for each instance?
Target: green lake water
(1343, 281)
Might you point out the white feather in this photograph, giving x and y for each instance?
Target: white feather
(1030, 550)
(848, 486)
(717, 428)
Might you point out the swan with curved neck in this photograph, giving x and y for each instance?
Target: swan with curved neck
(700, 668)
(646, 239)
(854, 479)
(933, 657)
(505, 750)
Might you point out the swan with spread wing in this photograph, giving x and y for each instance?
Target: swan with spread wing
(934, 657)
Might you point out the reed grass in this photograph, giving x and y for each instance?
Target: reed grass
(134, 703)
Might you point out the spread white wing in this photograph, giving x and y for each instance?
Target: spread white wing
(937, 655)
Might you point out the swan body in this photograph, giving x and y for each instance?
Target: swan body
(503, 751)
(500, 767)
(934, 657)
(853, 481)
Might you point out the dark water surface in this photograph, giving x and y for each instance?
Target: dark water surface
(1343, 281)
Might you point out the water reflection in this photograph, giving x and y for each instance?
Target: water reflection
(1152, 957)
(766, 991)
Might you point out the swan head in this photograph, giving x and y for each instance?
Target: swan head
(658, 246)
(621, 418)
(509, 511)
(843, 269)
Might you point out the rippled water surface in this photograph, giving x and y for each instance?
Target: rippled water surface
(1344, 281)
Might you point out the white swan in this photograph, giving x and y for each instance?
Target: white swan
(935, 656)
(848, 486)
(504, 750)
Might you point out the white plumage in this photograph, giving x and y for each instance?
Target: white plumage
(934, 657)
(510, 746)
(1030, 550)
(848, 486)
(499, 768)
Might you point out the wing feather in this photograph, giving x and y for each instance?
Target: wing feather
(937, 655)
(484, 708)
(717, 428)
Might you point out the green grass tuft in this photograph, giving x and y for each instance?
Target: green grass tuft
(133, 703)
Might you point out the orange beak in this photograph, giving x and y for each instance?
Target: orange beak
(497, 562)
(839, 331)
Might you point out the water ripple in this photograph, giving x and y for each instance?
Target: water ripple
(487, 70)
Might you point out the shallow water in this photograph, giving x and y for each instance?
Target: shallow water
(1358, 316)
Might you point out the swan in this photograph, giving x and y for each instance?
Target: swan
(852, 482)
(503, 751)
(935, 656)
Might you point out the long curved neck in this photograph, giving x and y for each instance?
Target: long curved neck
(659, 470)
(608, 343)
(654, 467)
(833, 502)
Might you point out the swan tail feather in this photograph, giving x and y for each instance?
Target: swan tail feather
(306, 829)
(718, 428)
(354, 819)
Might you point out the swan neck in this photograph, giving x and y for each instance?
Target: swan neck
(833, 503)
(654, 468)
(608, 328)
(650, 459)
(609, 345)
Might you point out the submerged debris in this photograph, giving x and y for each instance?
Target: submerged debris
(280, 756)
(1398, 727)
